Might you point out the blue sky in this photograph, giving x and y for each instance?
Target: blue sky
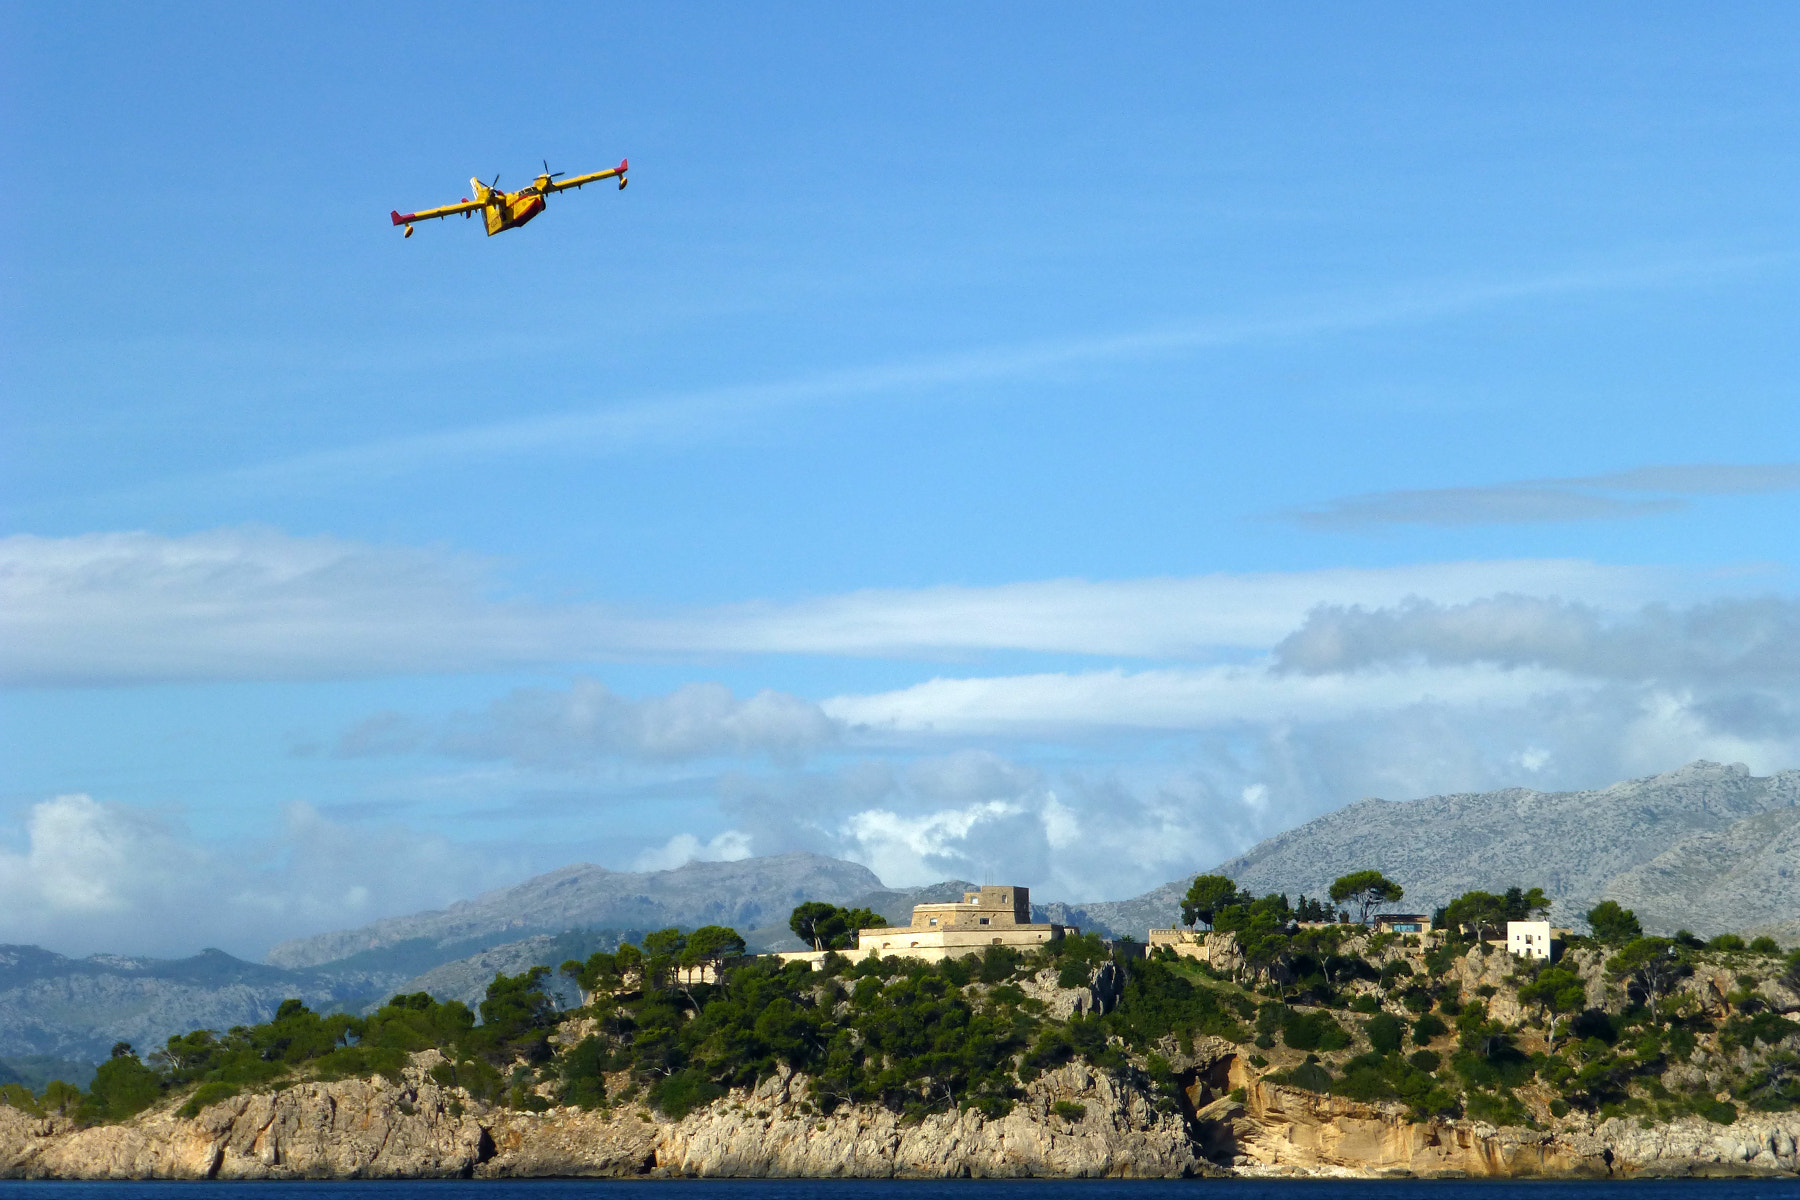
(1023, 443)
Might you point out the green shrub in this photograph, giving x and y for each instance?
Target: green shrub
(1315, 1031)
(60, 1097)
(205, 1096)
(583, 1070)
(1765, 945)
(20, 1097)
(1068, 1110)
(1312, 1076)
(1719, 1112)
(122, 1087)
(1559, 1107)
(1499, 1108)
(1385, 1031)
(1427, 1027)
(679, 1094)
(1727, 941)
(1427, 1061)
(1074, 974)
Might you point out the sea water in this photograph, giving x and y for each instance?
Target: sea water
(853, 1189)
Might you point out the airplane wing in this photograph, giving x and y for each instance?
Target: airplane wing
(430, 214)
(617, 172)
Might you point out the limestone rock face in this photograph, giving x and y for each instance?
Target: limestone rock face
(1279, 1130)
(1120, 1134)
(376, 1129)
(350, 1129)
(414, 1130)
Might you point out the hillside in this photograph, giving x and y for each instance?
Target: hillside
(751, 894)
(77, 1008)
(1331, 1052)
(1719, 836)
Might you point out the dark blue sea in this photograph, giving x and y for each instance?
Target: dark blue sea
(790, 1189)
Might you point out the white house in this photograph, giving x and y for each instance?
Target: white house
(1528, 939)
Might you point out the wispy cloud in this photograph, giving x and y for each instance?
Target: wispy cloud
(253, 603)
(1075, 703)
(713, 412)
(1640, 492)
(587, 721)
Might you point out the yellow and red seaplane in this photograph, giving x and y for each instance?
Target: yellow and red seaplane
(508, 210)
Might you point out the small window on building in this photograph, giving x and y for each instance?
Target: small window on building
(996, 941)
(984, 920)
(934, 920)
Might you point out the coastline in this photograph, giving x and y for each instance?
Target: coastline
(414, 1129)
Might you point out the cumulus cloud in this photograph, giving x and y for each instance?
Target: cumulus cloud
(974, 814)
(260, 604)
(1639, 492)
(92, 875)
(684, 848)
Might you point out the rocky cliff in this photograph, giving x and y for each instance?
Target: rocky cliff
(1074, 1122)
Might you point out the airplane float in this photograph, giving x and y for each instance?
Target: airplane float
(508, 210)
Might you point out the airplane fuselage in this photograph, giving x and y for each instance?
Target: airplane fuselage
(512, 210)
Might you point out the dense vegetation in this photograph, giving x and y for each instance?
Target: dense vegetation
(678, 1020)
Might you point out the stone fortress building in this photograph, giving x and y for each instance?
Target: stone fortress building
(996, 915)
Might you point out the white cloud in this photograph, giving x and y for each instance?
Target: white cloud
(684, 848)
(1150, 618)
(94, 875)
(85, 858)
(1173, 698)
(259, 604)
(249, 603)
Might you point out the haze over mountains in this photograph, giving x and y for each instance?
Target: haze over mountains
(1706, 847)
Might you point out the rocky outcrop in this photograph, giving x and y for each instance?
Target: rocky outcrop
(1285, 1131)
(416, 1130)
(1074, 1122)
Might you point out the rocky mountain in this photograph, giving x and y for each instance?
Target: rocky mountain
(1706, 847)
(77, 1008)
(1744, 878)
(750, 895)
(467, 979)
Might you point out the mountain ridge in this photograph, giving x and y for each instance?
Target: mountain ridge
(1574, 844)
(1707, 847)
